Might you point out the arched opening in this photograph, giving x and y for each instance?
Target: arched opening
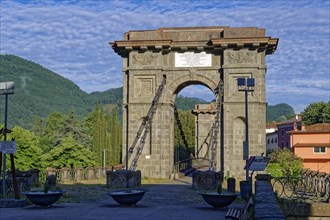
(191, 128)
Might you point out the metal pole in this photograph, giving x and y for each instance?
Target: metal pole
(247, 133)
(4, 154)
(126, 150)
(104, 161)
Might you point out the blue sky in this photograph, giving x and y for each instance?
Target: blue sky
(71, 38)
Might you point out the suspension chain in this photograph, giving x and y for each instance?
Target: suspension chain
(216, 125)
(143, 131)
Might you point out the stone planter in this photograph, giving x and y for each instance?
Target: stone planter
(128, 197)
(219, 200)
(43, 199)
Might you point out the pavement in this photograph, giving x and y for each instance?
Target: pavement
(173, 201)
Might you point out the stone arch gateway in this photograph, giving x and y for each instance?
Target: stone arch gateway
(186, 56)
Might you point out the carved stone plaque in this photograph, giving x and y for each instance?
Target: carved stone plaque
(237, 57)
(191, 59)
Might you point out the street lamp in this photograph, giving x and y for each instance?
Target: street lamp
(246, 85)
(7, 88)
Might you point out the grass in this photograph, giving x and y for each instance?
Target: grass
(92, 190)
(148, 180)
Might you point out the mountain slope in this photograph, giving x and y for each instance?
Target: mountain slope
(275, 112)
(39, 92)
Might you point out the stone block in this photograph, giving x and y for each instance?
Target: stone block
(123, 179)
(206, 180)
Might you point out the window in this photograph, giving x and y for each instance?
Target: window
(282, 144)
(268, 141)
(272, 140)
(282, 132)
(275, 140)
(319, 150)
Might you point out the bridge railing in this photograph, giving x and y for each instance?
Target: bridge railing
(190, 163)
(310, 185)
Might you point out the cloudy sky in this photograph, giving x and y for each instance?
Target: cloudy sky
(71, 38)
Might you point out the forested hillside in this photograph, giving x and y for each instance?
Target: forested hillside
(279, 112)
(40, 92)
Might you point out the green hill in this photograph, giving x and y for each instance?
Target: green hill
(188, 103)
(39, 92)
(279, 112)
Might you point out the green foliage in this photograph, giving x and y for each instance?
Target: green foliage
(99, 134)
(284, 162)
(69, 154)
(28, 151)
(275, 170)
(115, 141)
(279, 112)
(184, 137)
(219, 188)
(318, 112)
(46, 187)
(40, 92)
(281, 118)
(106, 134)
(58, 126)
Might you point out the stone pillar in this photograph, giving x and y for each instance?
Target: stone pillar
(90, 173)
(204, 119)
(65, 174)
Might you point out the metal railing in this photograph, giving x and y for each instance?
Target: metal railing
(310, 185)
(195, 163)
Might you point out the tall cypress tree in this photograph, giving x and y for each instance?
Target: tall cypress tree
(115, 133)
(98, 134)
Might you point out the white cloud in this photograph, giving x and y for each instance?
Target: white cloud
(71, 38)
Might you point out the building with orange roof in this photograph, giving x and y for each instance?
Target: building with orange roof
(312, 144)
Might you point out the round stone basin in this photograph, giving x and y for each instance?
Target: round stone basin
(128, 197)
(219, 200)
(41, 198)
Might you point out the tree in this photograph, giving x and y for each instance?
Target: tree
(318, 112)
(51, 131)
(114, 131)
(185, 134)
(284, 162)
(28, 151)
(58, 126)
(70, 154)
(98, 133)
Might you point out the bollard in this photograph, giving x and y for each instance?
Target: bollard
(231, 185)
(245, 190)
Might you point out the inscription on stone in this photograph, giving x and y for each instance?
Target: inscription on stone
(191, 59)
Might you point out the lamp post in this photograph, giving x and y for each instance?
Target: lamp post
(7, 88)
(246, 85)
